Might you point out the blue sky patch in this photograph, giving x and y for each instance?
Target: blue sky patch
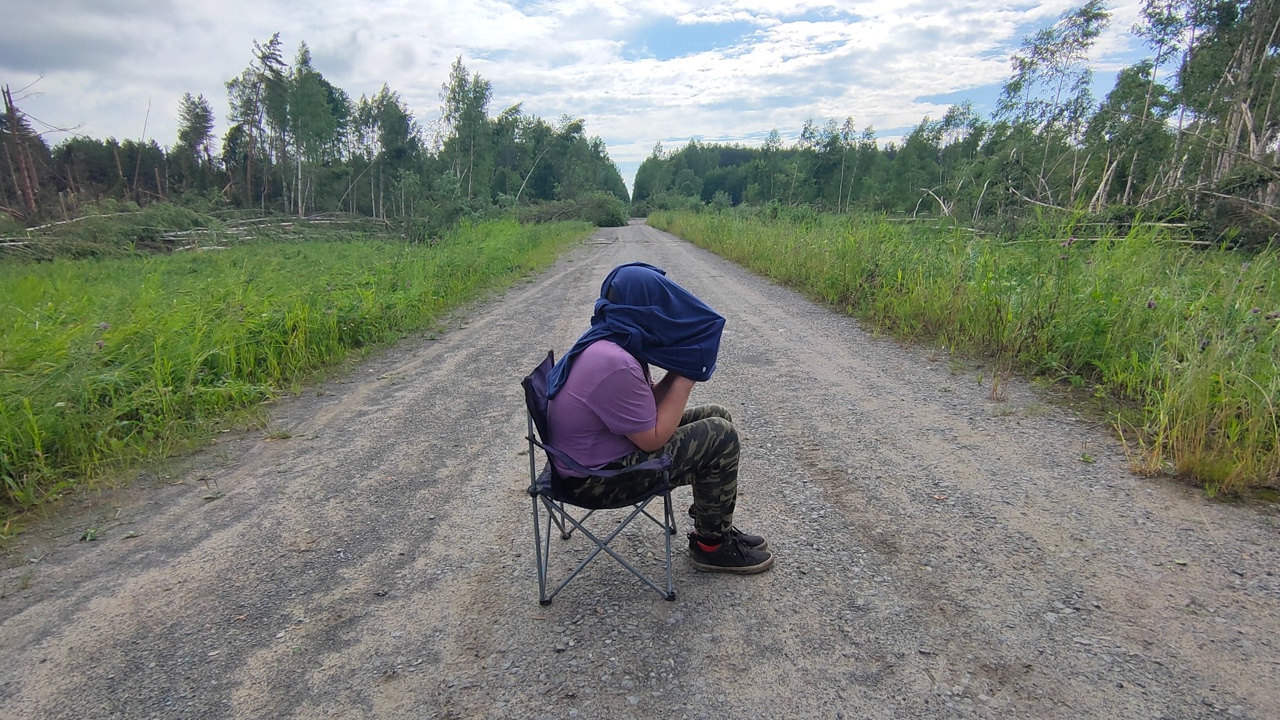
(668, 39)
(984, 98)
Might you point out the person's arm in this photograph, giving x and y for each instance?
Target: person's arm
(671, 394)
(663, 386)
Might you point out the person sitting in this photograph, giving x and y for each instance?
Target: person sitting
(606, 412)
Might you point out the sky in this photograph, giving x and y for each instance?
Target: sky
(638, 72)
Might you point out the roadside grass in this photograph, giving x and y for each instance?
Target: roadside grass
(1189, 339)
(106, 362)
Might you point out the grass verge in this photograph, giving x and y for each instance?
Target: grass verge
(1191, 337)
(106, 362)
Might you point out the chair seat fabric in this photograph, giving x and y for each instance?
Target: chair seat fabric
(551, 485)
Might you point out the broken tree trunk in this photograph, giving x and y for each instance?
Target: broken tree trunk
(25, 174)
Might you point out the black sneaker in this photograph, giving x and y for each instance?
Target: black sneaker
(755, 542)
(733, 556)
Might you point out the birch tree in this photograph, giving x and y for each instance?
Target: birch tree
(1049, 89)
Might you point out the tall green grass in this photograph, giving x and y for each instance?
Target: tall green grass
(1190, 337)
(104, 362)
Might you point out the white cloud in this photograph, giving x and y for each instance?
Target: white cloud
(873, 60)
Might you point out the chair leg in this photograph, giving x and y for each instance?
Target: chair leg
(671, 530)
(559, 507)
(543, 561)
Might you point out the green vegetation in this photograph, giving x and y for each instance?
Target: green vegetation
(599, 209)
(297, 144)
(1186, 136)
(111, 229)
(107, 361)
(1188, 337)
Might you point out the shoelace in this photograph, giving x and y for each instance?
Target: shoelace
(735, 545)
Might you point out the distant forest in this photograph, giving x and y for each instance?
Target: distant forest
(1202, 151)
(298, 144)
(1189, 137)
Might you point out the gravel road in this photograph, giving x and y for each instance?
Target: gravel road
(940, 554)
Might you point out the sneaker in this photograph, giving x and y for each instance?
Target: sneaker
(755, 542)
(733, 556)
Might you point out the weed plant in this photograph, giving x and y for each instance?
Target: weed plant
(1190, 337)
(106, 361)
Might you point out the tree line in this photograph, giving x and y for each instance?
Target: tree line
(1189, 135)
(296, 143)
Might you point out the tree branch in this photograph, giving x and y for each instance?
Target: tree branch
(946, 209)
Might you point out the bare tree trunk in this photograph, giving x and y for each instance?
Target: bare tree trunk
(1128, 185)
(977, 207)
(1182, 107)
(29, 167)
(25, 186)
(471, 166)
(1267, 130)
(298, 189)
(1076, 179)
(137, 168)
(840, 192)
(248, 171)
(124, 181)
(1104, 187)
(16, 186)
(530, 173)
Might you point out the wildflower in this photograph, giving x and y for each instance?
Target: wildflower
(1254, 311)
(1151, 304)
(100, 344)
(104, 326)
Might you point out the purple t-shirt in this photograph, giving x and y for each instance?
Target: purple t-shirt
(606, 397)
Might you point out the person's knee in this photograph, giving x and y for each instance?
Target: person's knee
(720, 411)
(725, 434)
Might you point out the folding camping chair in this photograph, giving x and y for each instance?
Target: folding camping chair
(544, 489)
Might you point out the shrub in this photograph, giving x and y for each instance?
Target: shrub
(599, 209)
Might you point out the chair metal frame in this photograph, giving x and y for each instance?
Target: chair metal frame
(543, 491)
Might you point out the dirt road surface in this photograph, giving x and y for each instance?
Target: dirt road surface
(940, 554)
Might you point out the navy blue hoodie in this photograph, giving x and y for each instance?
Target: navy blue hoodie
(655, 320)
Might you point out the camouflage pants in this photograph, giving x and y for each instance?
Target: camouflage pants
(704, 455)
